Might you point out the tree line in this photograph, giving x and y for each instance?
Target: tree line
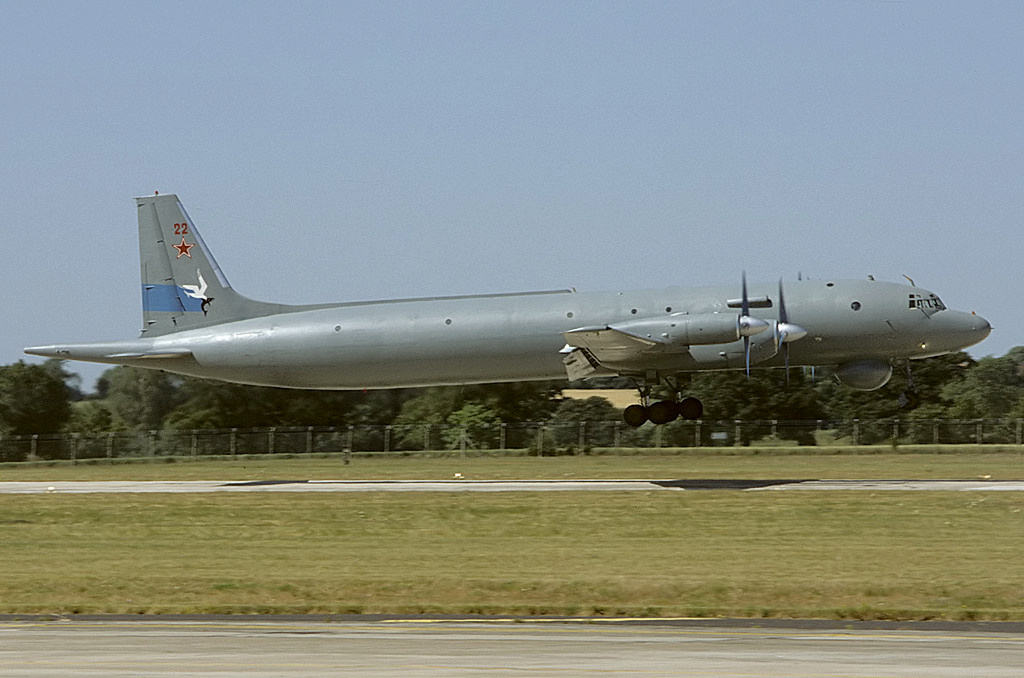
(48, 398)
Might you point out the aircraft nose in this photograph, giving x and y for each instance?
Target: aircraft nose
(966, 329)
(981, 326)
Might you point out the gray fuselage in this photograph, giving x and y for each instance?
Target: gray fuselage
(519, 337)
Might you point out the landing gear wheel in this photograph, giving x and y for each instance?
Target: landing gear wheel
(635, 415)
(691, 408)
(663, 411)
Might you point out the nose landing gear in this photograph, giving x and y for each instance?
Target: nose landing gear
(909, 399)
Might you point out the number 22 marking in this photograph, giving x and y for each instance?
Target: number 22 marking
(181, 229)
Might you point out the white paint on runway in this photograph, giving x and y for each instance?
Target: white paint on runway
(207, 486)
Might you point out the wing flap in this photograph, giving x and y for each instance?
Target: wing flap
(612, 348)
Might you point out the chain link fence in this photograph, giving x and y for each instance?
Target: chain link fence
(546, 438)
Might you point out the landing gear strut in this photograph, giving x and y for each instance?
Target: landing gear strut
(662, 411)
(909, 399)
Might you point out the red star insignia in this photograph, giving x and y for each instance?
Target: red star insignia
(183, 249)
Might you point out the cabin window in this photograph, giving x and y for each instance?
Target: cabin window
(855, 306)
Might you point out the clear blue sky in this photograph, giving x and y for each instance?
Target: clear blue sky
(337, 151)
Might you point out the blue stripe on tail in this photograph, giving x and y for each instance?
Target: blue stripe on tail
(168, 298)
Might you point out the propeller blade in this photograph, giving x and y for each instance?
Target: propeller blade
(746, 354)
(783, 318)
(785, 331)
(745, 310)
(780, 327)
(745, 303)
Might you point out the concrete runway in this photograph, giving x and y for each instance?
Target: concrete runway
(420, 648)
(88, 487)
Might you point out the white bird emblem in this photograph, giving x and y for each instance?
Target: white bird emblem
(198, 292)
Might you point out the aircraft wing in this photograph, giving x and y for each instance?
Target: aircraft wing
(588, 348)
(661, 342)
(609, 340)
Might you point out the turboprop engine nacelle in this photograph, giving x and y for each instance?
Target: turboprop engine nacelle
(684, 329)
(864, 375)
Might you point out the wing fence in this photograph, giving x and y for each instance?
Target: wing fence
(541, 438)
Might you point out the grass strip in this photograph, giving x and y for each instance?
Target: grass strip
(882, 463)
(890, 555)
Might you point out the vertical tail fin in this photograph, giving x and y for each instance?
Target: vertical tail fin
(182, 285)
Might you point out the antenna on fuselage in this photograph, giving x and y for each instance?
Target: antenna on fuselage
(912, 283)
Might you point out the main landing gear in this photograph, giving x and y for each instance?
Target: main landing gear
(661, 411)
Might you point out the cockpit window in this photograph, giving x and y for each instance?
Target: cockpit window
(929, 304)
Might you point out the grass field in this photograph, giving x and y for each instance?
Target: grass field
(965, 462)
(917, 555)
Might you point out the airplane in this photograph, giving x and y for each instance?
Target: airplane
(195, 323)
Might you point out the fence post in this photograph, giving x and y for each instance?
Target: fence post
(309, 440)
(617, 432)
(856, 431)
(738, 433)
(696, 432)
(33, 449)
(426, 437)
(935, 431)
(110, 445)
(270, 440)
(503, 437)
(152, 443)
(233, 442)
(351, 439)
(583, 434)
(978, 436)
(1019, 421)
(74, 446)
(387, 438)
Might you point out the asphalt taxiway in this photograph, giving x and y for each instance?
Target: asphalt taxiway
(192, 486)
(422, 648)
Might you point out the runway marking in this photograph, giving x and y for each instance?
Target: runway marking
(587, 485)
(605, 626)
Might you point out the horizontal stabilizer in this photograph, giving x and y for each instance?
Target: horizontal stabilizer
(155, 354)
(115, 353)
